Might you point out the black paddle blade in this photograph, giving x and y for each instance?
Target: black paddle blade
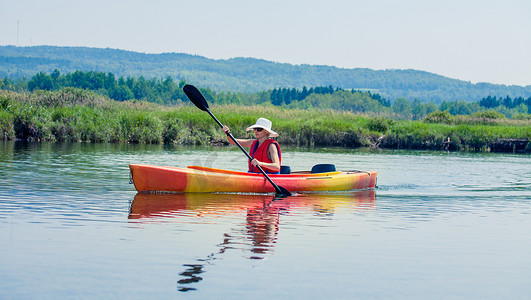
(196, 97)
(282, 192)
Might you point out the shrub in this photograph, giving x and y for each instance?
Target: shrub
(488, 114)
(68, 97)
(140, 127)
(7, 130)
(4, 102)
(379, 124)
(31, 124)
(521, 116)
(443, 117)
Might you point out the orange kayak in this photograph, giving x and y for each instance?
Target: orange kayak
(202, 179)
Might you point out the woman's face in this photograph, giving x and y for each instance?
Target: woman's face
(259, 133)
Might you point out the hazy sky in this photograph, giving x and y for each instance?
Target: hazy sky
(477, 41)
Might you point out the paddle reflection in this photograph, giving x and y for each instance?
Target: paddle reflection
(262, 214)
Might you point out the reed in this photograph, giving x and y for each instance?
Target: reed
(74, 115)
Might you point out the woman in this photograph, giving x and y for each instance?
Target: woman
(265, 151)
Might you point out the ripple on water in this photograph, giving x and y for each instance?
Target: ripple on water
(463, 216)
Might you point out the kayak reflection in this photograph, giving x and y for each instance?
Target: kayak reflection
(262, 214)
(153, 207)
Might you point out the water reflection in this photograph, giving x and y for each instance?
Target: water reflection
(148, 207)
(257, 236)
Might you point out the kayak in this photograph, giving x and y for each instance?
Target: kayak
(150, 178)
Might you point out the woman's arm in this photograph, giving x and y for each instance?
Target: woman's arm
(243, 142)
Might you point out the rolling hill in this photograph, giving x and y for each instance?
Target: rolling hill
(246, 74)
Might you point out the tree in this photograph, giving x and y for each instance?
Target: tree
(55, 74)
(41, 81)
(459, 107)
(508, 102)
(402, 107)
(276, 99)
(489, 102)
(110, 82)
(420, 109)
(304, 93)
(121, 93)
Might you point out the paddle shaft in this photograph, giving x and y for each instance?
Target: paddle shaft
(277, 189)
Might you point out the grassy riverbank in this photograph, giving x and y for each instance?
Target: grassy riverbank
(82, 116)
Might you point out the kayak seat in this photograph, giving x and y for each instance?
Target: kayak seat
(285, 170)
(323, 168)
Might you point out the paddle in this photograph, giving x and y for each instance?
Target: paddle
(197, 98)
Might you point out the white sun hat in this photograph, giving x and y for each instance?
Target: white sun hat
(265, 124)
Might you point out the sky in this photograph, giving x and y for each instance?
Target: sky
(471, 40)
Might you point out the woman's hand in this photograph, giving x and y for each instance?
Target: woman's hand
(255, 162)
(226, 129)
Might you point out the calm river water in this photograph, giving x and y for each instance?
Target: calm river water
(439, 226)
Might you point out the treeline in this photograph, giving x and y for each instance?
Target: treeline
(417, 110)
(284, 96)
(168, 92)
(508, 102)
(162, 91)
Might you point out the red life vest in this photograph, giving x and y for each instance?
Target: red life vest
(260, 153)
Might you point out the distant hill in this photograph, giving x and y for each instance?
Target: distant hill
(246, 74)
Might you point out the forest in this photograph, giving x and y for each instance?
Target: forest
(166, 91)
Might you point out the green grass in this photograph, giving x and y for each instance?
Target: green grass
(74, 115)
